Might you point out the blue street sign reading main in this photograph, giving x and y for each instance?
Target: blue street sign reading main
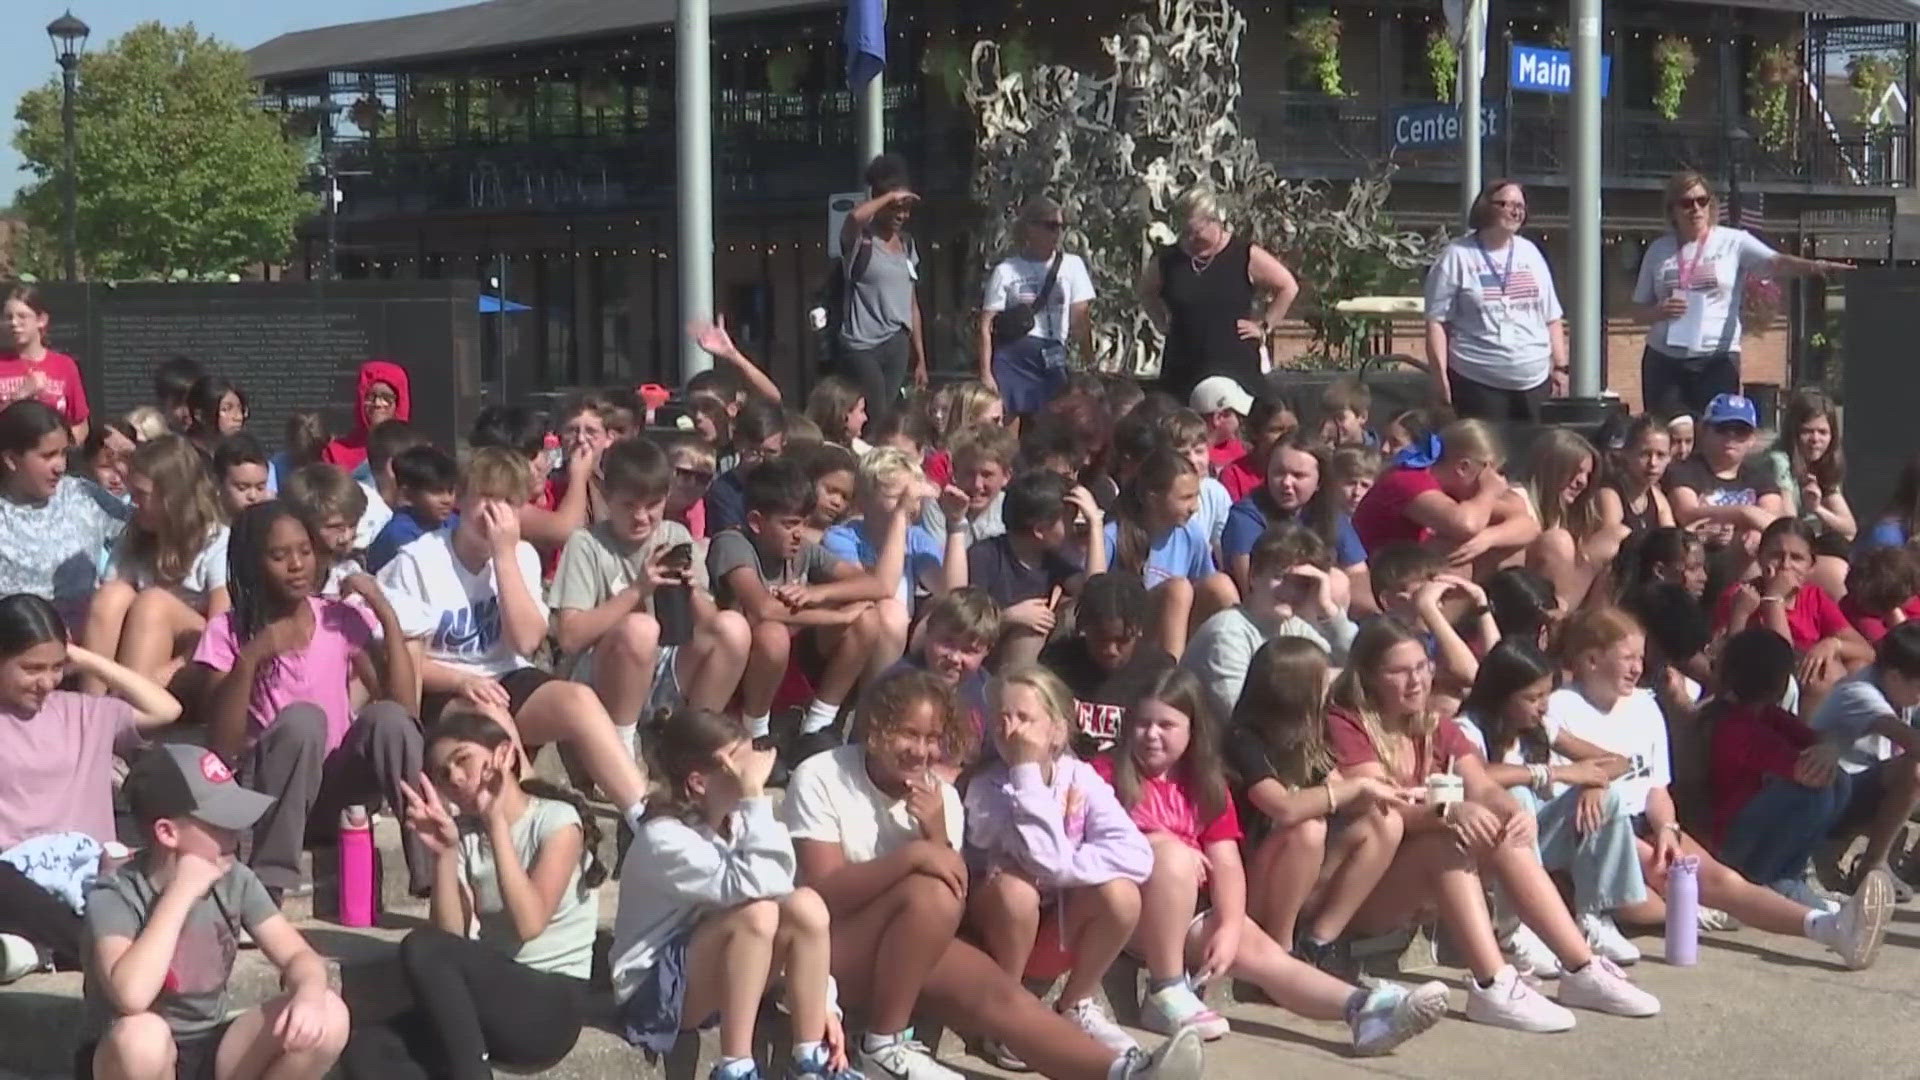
(1417, 127)
(1550, 71)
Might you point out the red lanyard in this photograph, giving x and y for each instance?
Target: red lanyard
(1686, 268)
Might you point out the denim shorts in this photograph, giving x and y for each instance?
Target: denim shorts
(650, 1016)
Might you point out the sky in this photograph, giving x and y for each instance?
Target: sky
(26, 56)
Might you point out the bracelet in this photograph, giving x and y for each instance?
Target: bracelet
(1332, 806)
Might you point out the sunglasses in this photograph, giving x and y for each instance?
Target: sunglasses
(702, 476)
(1693, 202)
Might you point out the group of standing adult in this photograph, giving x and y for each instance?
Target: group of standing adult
(1495, 329)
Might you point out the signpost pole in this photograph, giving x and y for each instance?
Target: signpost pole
(1473, 49)
(1587, 333)
(693, 93)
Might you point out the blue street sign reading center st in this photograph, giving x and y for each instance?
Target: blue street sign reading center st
(1419, 127)
(1549, 71)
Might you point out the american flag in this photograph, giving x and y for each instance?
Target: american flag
(1521, 285)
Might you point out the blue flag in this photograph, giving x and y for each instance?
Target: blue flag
(866, 40)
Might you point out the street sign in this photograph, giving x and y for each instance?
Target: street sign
(1418, 127)
(1549, 71)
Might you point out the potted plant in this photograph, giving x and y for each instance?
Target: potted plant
(367, 114)
(1443, 64)
(1870, 75)
(1776, 71)
(1674, 62)
(1318, 36)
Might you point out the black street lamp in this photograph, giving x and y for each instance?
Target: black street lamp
(69, 37)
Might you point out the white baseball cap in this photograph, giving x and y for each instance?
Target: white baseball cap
(1217, 392)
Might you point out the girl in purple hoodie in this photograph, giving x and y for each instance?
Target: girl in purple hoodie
(1047, 841)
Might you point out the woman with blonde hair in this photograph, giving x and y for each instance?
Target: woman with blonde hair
(1201, 292)
(1577, 536)
(1689, 292)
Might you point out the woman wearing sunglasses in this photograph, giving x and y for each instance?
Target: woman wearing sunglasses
(1496, 345)
(1690, 287)
(1035, 299)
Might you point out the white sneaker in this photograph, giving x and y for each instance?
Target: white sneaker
(1605, 938)
(1856, 930)
(1511, 1003)
(1393, 1014)
(18, 958)
(1602, 987)
(997, 1055)
(1528, 953)
(1087, 1015)
(1178, 1007)
(1176, 1059)
(1715, 921)
(903, 1059)
(1798, 891)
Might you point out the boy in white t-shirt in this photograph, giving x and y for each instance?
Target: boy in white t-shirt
(468, 597)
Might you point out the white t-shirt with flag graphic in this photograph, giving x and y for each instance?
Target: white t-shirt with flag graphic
(1716, 269)
(1497, 306)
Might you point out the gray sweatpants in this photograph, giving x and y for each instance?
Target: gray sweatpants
(290, 762)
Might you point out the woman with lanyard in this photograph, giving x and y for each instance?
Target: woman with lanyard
(880, 337)
(1034, 300)
(1496, 346)
(1200, 294)
(1690, 287)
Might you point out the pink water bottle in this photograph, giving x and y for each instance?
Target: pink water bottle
(357, 877)
(1683, 911)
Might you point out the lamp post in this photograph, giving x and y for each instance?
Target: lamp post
(69, 37)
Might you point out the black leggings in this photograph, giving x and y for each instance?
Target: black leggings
(31, 912)
(474, 1008)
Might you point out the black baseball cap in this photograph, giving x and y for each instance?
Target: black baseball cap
(181, 780)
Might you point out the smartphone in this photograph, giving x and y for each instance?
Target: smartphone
(678, 557)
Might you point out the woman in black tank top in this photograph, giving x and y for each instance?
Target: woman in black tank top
(1201, 293)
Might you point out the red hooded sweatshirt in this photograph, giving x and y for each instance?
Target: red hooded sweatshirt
(348, 451)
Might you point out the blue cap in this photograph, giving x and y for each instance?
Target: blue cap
(1732, 409)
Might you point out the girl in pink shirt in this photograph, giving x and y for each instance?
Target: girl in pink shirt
(1167, 771)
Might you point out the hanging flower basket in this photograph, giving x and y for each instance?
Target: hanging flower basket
(1318, 36)
(429, 109)
(1871, 75)
(1776, 71)
(1674, 62)
(1443, 64)
(367, 114)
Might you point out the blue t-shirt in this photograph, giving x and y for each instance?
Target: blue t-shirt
(726, 502)
(400, 530)
(849, 542)
(1182, 552)
(1249, 518)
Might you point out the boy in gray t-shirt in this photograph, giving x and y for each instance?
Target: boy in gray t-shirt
(163, 930)
(1867, 724)
(835, 618)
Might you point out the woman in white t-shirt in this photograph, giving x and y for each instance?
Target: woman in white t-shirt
(1690, 288)
(1496, 347)
(877, 833)
(168, 572)
(1604, 649)
(1025, 358)
(515, 857)
(1579, 824)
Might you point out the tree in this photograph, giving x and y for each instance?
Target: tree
(1115, 148)
(179, 171)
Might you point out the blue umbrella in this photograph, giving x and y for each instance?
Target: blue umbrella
(491, 305)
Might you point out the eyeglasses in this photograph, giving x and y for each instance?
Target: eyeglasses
(701, 476)
(1510, 204)
(1693, 202)
(382, 399)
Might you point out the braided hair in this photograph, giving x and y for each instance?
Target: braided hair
(247, 565)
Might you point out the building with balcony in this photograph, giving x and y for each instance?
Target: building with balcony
(528, 144)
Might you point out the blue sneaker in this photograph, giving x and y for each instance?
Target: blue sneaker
(720, 1072)
(815, 1065)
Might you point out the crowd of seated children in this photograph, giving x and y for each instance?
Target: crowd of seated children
(1447, 487)
(1108, 661)
(1153, 534)
(1346, 413)
(832, 470)
(1294, 488)
(759, 434)
(955, 634)
(1632, 493)
(55, 529)
(891, 484)
(1810, 469)
(1027, 568)
(424, 479)
(1882, 590)
(1730, 495)
(382, 392)
(216, 408)
(333, 505)
(1578, 539)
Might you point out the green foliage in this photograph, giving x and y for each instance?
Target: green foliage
(1319, 37)
(178, 169)
(1674, 62)
(1872, 75)
(1776, 71)
(1443, 64)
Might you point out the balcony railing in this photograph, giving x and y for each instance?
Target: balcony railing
(1313, 134)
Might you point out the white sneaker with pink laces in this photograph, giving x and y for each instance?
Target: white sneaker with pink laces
(1510, 1003)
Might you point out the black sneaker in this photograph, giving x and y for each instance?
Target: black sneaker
(1333, 957)
(813, 742)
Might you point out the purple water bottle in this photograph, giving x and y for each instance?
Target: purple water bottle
(356, 867)
(1683, 911)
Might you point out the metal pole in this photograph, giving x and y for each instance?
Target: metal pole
(69, 191)
(330, 181)
(693, 127)
(1475, 47)
(873, 120)
(1583, 209)
(500, 320)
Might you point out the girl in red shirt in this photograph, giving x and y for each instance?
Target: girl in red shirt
(1781, 600)
(1447, 489)
(1167, 772)
(1380, 723)
(28, 369)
